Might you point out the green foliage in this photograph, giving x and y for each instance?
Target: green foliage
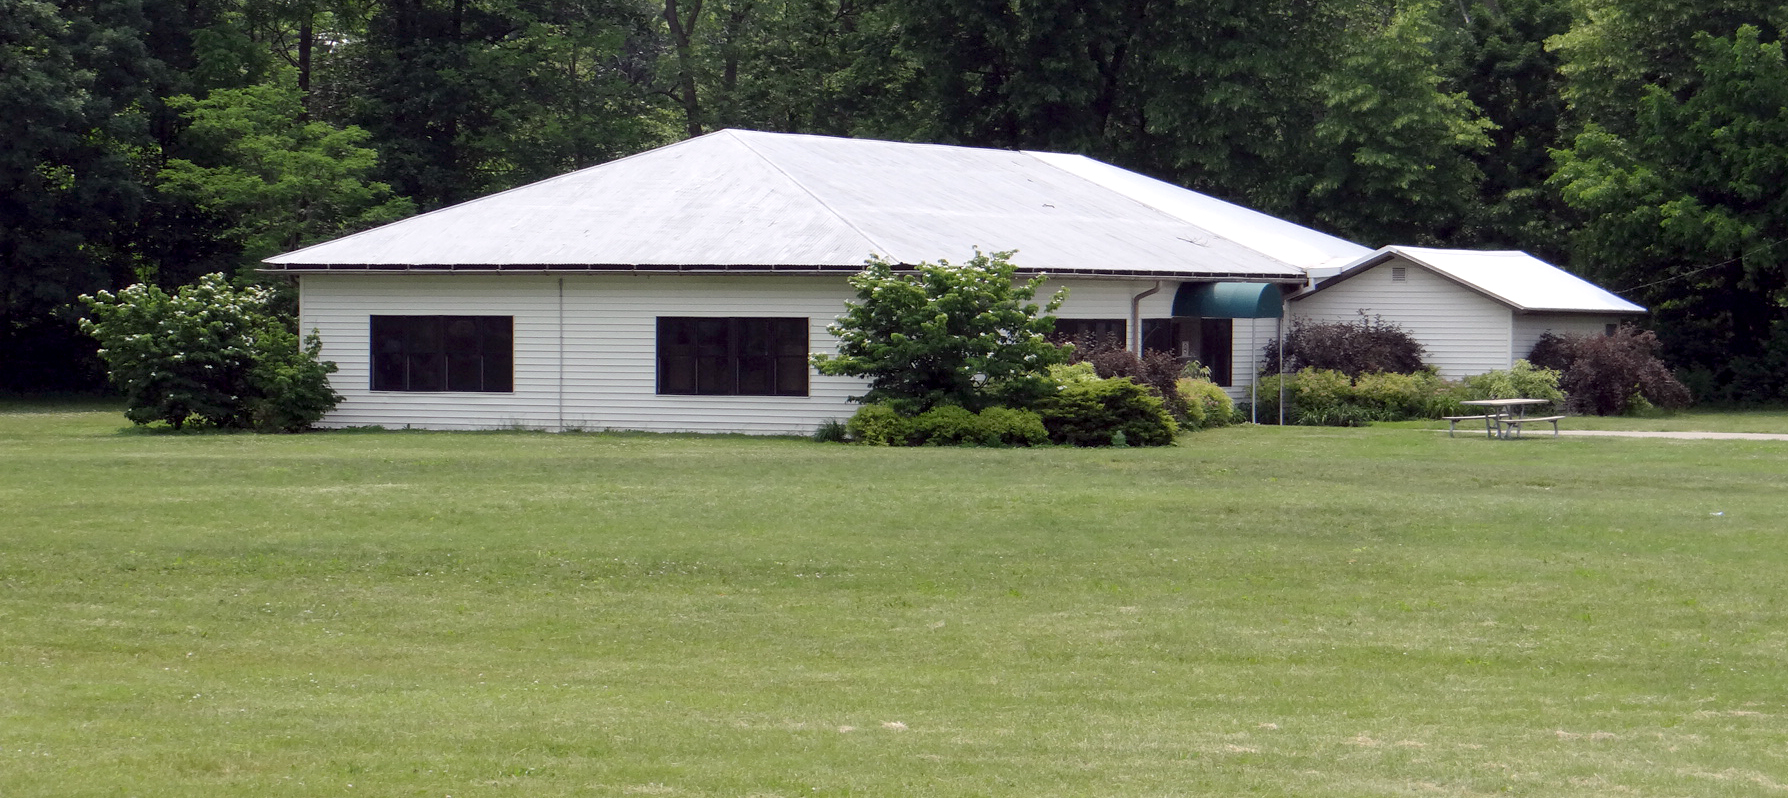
(1499, 59)
(1678, 176)
(1397, 149)
(1206, 404)
(1325, 397)
(1522, 381)
(283, 182)
(1013, 426)
(831, 431)
(209, 352)
(1093, 413)
(879, 425)
(947, 425)
(944, 334)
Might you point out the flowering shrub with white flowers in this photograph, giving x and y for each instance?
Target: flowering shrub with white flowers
(209, 353)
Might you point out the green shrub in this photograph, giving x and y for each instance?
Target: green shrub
(941, 334)
(1322, 397)
(948, 425)
(1523, 381)
(1401, 397)
(1013, 426)
(831, 431)
(1207, 405)
(210, 352)
(879, 425)
(1090, 413)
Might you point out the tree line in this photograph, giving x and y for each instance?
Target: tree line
(1641, 143)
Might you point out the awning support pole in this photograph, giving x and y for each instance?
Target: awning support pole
(1279, 327)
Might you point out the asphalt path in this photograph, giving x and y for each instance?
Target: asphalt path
(1692, 436)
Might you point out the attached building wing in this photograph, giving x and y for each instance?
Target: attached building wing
(1516, 279)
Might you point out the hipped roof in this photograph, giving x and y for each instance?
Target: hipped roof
(1516, 279)
(742, 200)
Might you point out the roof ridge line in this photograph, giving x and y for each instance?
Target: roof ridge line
(1151, 206)
(874, 244)
(493, 195)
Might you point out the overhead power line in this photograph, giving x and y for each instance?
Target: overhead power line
(1693, 272)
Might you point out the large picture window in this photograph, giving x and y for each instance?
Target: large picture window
(443, 353)
(737, 356)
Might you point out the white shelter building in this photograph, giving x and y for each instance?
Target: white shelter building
(683, 288)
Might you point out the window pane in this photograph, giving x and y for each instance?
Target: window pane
(465, 372)
(714, 375)
(424, 335)
(442, 353)
(738, 355)
(498, 332)
(388, 372)
(425, 371)
(756, 375)
(791, 337)
(461, 335)
(499, 367)
(713, 337)
(754, 337)
(791, 376)
(676, 374)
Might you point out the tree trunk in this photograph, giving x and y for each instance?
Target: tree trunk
(682, 33)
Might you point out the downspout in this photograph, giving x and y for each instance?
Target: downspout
(1136, 318)
(561, 354)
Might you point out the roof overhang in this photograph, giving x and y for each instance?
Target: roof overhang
(656, 268)
(1410, 255)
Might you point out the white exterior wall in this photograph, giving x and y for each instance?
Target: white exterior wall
(1251, 338)
(605, 348)
(1530, 326)
(608, 354)
(1463, 331)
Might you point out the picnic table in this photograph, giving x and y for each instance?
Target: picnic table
(1505, 417)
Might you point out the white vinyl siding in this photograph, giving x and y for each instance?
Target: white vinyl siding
(598, 370)
(1251, 339)
(1530, 326)
(607, 359)
(1463, 331)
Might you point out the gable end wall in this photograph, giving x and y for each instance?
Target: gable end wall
(1463, 331)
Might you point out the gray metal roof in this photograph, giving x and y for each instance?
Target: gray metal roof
(742, 200)
(1517, 279)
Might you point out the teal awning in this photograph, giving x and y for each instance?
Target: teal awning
(1229, 301)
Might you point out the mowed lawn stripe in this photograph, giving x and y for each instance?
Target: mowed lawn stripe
(1274, 611)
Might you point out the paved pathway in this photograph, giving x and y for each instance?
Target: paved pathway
(1725, 436)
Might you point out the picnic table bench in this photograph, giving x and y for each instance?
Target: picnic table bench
(1517, 421)
(1453, 422)
(1506, 417)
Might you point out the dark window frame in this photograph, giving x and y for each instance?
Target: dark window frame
(441, 354)
(733, 355)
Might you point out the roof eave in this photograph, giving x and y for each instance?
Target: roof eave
(654, 268)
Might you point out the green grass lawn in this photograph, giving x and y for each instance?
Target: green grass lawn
(1297, 611)
(1767, 420)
